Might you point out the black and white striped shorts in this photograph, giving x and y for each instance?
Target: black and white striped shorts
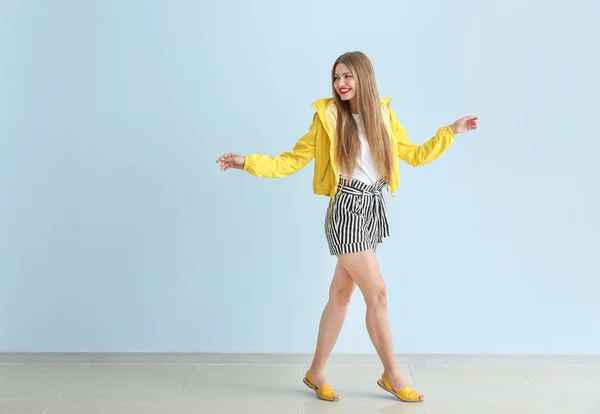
(356, 218)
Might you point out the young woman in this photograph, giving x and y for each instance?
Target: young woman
(356, 141)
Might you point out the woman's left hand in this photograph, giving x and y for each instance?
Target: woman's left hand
(464, 124)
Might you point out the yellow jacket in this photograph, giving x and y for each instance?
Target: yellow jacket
(317, 144)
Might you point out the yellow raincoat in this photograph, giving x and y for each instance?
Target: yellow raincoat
(318, 143)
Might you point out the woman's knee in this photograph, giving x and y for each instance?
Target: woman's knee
(377, 298)
(341, 296)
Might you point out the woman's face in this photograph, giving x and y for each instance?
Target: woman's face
(344, 82)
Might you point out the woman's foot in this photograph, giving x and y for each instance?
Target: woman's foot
(398, 382)
(316, 381)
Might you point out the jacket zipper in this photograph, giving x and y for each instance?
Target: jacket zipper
(325, 172)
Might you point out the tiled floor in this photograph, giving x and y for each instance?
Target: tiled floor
(278, 389)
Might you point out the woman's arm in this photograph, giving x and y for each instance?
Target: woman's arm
(418, 155)
(265, 166)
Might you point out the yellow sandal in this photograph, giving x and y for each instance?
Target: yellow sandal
(406, 394)
(324, 392)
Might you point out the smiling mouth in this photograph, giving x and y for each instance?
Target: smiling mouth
(344, 91)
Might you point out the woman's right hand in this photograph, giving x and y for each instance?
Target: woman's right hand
(231, 161)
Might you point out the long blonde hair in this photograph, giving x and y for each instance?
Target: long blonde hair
(369, 110)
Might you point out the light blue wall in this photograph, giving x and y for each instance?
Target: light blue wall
(119, 232)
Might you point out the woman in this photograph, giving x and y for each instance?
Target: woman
(356, 141)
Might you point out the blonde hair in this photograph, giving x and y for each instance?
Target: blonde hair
(370, 112)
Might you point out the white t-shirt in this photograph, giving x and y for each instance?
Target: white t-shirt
(365, 169)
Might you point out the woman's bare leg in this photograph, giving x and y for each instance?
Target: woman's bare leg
(331, 323)
(364, 270)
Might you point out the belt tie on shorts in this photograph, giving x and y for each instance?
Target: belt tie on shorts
(379, 203)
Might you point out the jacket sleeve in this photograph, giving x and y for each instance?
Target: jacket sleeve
(265, 166)
(418, 155)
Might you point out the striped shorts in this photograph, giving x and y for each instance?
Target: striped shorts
(356, 219)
